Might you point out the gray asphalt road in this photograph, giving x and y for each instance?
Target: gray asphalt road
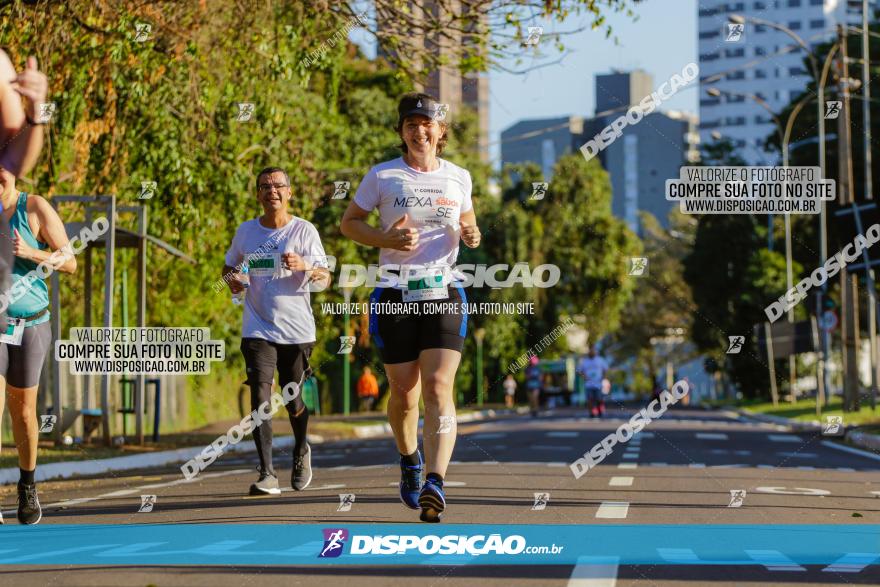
(680, 470)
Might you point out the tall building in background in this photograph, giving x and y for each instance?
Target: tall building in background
(618, 90)
(447, 84)
(638, 162)
(776, 78)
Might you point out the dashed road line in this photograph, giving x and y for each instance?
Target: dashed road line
(635, 466)
(711, 436)
(613, 509)
(620, 482)
(563, 434)
(784, 438)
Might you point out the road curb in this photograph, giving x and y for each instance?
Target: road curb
(853, 437)
(793, 424)
(72, 469)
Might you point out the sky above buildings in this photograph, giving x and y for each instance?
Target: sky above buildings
(662, 41)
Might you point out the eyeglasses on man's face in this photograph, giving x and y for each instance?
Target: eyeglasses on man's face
(268, 187)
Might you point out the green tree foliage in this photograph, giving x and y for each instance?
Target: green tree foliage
(661, 300)
(571, 227)
(165, 109)
(733, 277)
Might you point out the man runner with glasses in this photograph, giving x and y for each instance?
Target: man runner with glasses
(285, 258)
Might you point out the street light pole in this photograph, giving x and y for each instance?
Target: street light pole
(820, 120)
(716, 92)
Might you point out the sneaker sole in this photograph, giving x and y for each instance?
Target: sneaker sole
(37, 521)
(308, 482)
(432, 507)
(257, 491)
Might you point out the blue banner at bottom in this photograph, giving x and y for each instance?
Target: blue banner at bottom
(452, 544)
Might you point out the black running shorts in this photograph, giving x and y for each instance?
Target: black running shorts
(401, 336)
(21, 364)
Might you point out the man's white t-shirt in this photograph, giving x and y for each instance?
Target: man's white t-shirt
(593, 368)
(277, 307)
(433, 201)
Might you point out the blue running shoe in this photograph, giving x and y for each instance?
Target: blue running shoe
(432, 500)
(411, 483)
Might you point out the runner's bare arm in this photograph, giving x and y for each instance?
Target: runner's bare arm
(50, 231)
(355, 227)
(235, 286)
(470, 232)
(23, 149)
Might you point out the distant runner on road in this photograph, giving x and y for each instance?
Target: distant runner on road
(593, 368)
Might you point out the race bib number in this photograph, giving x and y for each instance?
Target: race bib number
(264, 265)
(14, 331)
(428, 286)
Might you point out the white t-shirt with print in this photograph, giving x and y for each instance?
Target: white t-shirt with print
(277, 306)
(433, 200)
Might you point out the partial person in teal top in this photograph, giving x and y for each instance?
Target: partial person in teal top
(36, 232)
(36, 298)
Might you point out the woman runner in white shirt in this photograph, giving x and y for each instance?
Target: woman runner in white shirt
(425, 207)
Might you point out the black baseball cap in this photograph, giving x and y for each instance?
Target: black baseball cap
(422, 104)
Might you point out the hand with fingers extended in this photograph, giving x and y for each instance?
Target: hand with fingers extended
(33, 86)
(470, 234)
(399, 238)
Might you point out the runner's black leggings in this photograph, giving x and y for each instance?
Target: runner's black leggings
(262, 358)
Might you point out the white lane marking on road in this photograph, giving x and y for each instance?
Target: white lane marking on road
(734, 466)
(319, 488)
(774, 560)
(121, 492)
(877, 493)
(630, 455)
(487, 436)
(658, 464)
(849, 449)
(846, 469)
(557, 464)
(327, 456)
(562, 434)
(798, 455)
(711, 436)
(697, 466)
(631, 466)
(499, 447)
(852, 562)
(445, 484)
(620, 482)
(594, 571)
(793, 491)
(784, 438)
(646, 435)
(806, 468)
(613, 509)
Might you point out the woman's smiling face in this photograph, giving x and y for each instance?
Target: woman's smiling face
(421, 134)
